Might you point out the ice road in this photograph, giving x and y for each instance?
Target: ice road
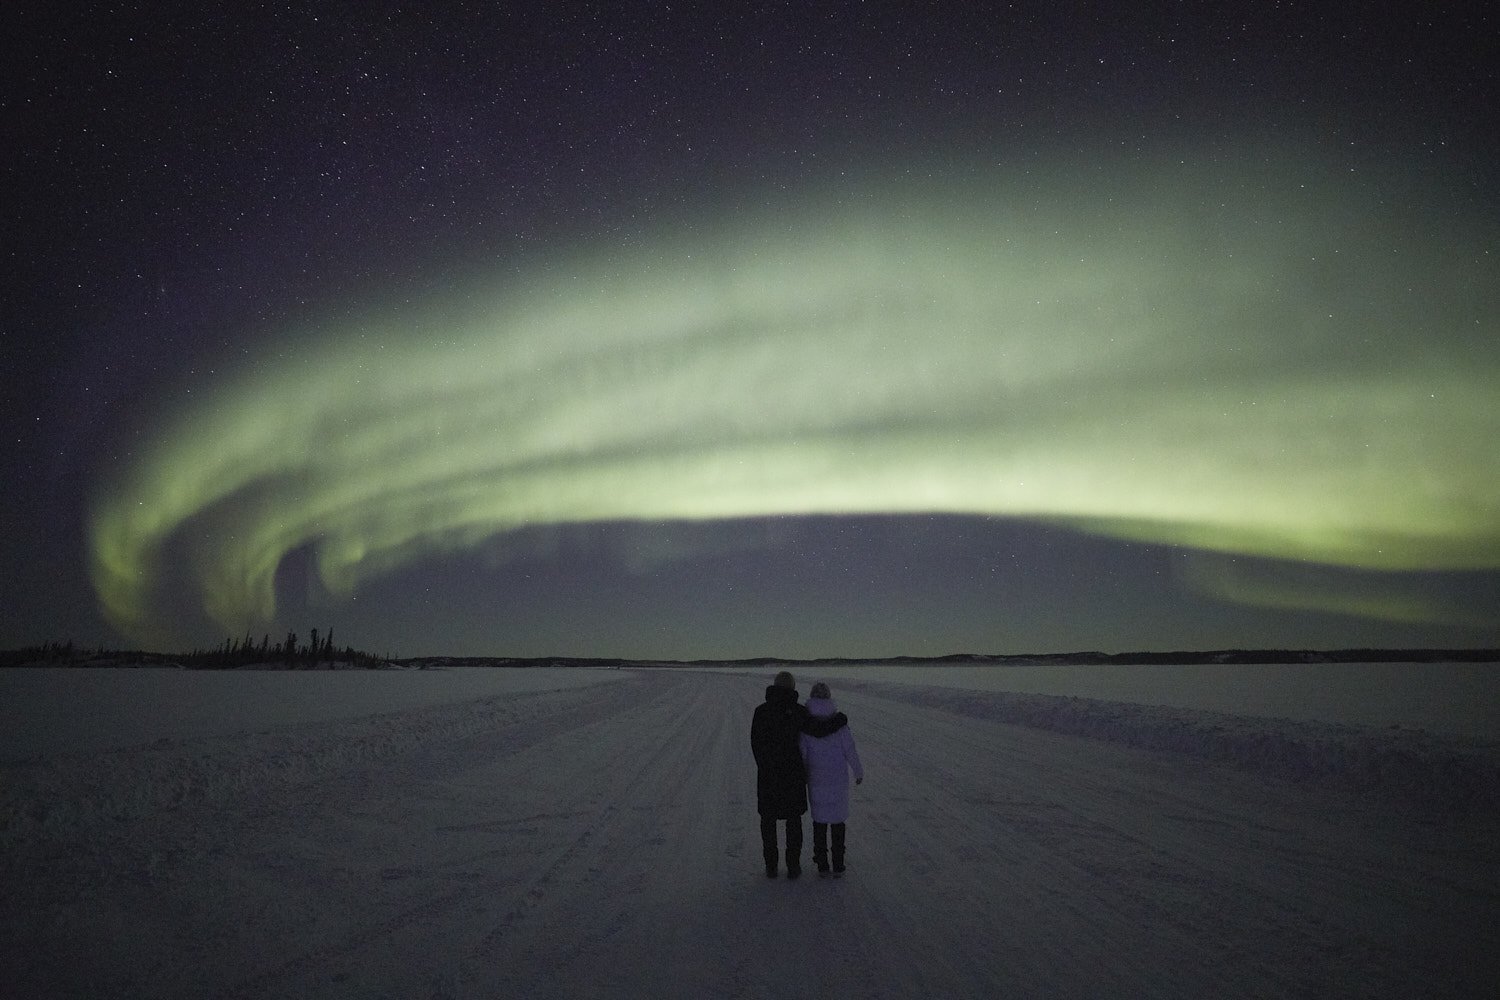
(601, 841)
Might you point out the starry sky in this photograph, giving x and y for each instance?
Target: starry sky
(676, 331)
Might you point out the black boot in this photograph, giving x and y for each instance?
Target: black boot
(838, 848)
(820, 847)
(793, 863)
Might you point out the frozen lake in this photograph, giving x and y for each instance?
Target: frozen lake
(46, 711)
(1460, 699)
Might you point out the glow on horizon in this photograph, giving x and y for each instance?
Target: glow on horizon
(1275, 362)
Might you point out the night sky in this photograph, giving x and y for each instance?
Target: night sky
(803, 330)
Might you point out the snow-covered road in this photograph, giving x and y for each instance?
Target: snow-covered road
(602, 842)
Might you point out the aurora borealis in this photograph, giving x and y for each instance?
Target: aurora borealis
(965, 352)
(1245, 352)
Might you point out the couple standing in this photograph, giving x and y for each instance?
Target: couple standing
(801, 753)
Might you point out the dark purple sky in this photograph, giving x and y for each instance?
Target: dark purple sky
(198, 203)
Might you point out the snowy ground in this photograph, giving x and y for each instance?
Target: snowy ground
(63, 709)
(601, 841)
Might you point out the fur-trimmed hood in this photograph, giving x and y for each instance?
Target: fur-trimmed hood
(823, 718)
(821, 707)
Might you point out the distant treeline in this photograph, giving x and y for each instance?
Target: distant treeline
(318, 652)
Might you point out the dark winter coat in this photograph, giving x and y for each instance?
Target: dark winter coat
(781, 779)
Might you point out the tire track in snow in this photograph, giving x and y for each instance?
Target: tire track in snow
(663, 832)
(512, 890)
(1140, 870)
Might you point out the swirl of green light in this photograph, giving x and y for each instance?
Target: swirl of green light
(1274, 362)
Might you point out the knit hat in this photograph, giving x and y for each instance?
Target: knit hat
(786, 680)
(820, 690)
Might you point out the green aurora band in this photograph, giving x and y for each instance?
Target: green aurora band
(1283, 362)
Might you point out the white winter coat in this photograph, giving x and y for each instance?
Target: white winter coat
(829, 760)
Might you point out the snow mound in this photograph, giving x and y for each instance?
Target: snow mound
(69, 794)
(1412, 765)
(57, 710)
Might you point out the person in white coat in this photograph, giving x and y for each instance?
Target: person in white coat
(829, 761)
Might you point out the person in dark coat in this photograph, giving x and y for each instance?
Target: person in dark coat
(781, 778)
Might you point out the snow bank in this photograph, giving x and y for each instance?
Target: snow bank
(45, 711)
(1410, 765)
(66, 794)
